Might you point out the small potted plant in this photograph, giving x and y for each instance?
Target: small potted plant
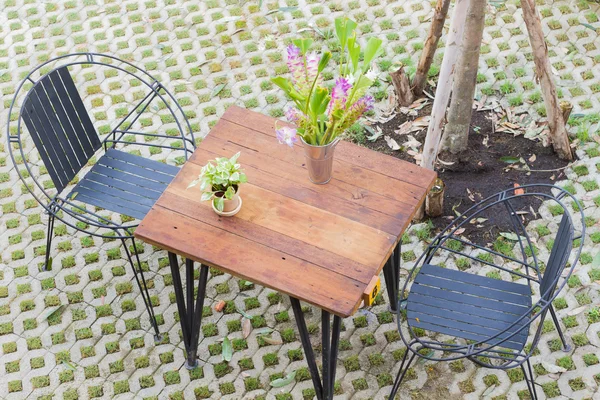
(321, 114)
(221, 184)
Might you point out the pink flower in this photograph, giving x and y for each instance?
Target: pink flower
(295, 64)
(287, 135)
(312, 69)
(292, 115)
(339, 95)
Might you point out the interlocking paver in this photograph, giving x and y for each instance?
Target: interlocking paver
(80, 331)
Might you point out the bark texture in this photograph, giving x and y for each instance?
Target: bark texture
(556, 123)
(456, 131)
(435, 32)
(402, 87)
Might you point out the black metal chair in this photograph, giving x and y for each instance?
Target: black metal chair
(120, 180)
(452, 314)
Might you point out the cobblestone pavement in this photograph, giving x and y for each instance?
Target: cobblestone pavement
(80, 330)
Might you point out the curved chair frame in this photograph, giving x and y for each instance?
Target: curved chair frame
(60, 205)
(482, 352)
(55, 203)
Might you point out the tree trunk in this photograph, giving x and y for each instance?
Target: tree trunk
(402, 87)
(442, 92)
(456, 131)
(556, 123)
(435, 32)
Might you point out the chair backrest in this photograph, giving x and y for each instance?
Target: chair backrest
(60, 126)
(559, 256)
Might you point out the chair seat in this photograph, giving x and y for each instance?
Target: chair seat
(468, 306)
(124, 183)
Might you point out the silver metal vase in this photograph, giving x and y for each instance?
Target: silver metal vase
(319, 161)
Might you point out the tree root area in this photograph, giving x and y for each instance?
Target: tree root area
(494, 161)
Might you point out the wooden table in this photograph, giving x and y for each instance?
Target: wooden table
(321, 244)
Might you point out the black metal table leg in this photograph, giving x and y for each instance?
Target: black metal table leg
(330, 342)
(190, 314)
(391, 274)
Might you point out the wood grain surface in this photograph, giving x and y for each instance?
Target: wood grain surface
(319, 243)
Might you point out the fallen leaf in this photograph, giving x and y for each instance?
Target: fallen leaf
(217, 89)
(532, 158)
(511, 236)
(577, 311)
(226, 349)
(552, 368)
(244, 314)
(263, 331)
(404, 128)
(510, 159)
(281, 382)
(459, 231)
(220, 306)
(246, 327)
(518, 191)
(375, 134)
(272, 341)
(392, 144)
(412, 142)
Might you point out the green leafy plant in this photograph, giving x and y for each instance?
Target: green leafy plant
(220, 181)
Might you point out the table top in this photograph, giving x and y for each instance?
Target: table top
(321, 244)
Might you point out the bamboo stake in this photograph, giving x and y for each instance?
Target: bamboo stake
(558, 132)
(435, 32)
(456, 131)
(444, 86)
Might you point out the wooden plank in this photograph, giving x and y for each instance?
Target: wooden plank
(296, 174)
(189, 207)
(250, 260)
(342, 171)
(301, 221)
(348, 152)
(304, 191)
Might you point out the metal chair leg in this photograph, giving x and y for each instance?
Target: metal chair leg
(566, 347)
(48, 261)
(402, 372)
(391, 273)
(528, 373)
(143, 287)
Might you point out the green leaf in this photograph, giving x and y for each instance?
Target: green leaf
(235, 177)
(243, 312)
(304, 44)
(73, 195)
(219, 203)
(510, 159)
(56, 311)
(371, 51)
(354, 52)
(226, 349)
(596, 260)
(319, 101)
(243, 178)
(69, 365)
(235, 157)
(217, 89)
(512, 236)
(324, 61)
(281, 382)
(229, 193)
(266, 330)
(206, 196)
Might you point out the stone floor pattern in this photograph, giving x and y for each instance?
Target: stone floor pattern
(80, 330)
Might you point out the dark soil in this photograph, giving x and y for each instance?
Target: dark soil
(479, 172)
